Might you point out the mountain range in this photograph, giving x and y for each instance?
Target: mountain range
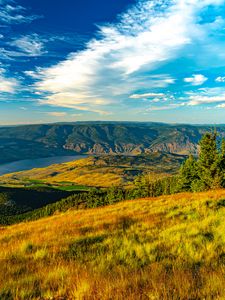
(127, 138)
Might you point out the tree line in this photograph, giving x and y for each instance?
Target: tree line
(208, 170)
(202, 173)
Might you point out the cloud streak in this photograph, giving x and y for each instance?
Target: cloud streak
(207, 96)
(11, 13)
(57, 113)
(220, 79)
(125, 56)
(147, 95)
(29, 45)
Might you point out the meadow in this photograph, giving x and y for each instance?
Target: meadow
(97, 171)
(170, 247)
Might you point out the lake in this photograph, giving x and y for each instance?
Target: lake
(28, 164)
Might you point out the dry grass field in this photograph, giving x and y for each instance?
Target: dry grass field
(82, 171)
(102, 171)
(171, 247)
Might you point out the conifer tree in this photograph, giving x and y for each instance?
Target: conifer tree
(188, 174)
(223, 147)
(209, 162)
(221, 164)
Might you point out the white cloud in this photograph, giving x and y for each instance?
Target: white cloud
(156, 100)
(77, 115)
(165, 107)
(116, 64)
(197, 100)
(11, 13)
(146, 95)
(29, 45)
(221, 105)
(56, 114)
(32, 74)
(81, 102)
(206, 96)
(198, 79)
(220, 79)
(7, 85)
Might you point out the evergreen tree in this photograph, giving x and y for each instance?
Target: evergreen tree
(209, 162)
(223, 147)
(141, 187)
(188, 174)
(221, 164)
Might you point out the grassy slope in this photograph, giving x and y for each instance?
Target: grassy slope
(171, 247)
(100, 171)
(80, 172)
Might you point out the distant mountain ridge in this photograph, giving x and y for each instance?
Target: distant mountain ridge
(33, 141)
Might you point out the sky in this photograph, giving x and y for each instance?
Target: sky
(127, 60)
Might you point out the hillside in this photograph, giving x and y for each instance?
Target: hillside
(100, 171)
(171, 247)
(35, 141)
(19, 200)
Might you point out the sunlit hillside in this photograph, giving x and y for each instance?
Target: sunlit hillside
(102, 171)
(171, 247)
(79, 172)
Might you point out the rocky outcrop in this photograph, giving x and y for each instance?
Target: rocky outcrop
(178, 148)
(132, 149)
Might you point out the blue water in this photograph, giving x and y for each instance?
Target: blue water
(28, 164)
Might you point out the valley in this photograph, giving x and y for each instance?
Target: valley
(99, 171)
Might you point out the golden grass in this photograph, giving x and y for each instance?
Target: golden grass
(83, 171)
(171, 247)
(88, 172)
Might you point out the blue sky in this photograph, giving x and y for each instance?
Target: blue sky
(158, 60)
